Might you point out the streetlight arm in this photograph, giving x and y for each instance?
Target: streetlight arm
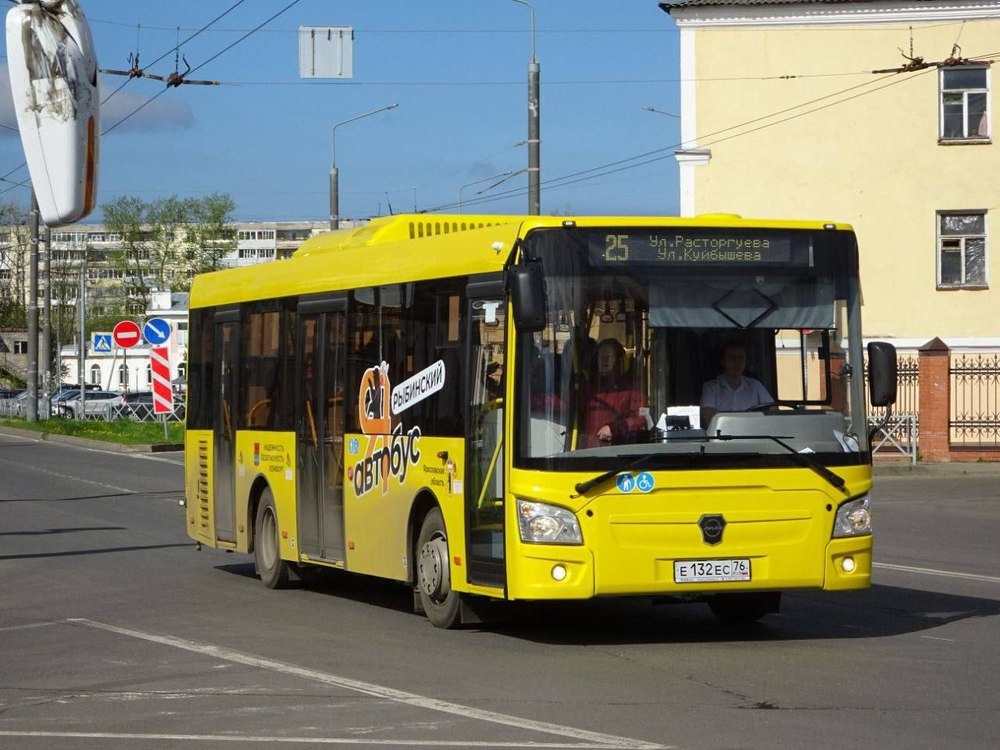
(352, 119)
(532, 9)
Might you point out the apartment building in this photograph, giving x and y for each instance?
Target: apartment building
(875, 113)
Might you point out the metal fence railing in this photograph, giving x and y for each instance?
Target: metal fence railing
(96, 410)
(899, 435)
(974, 418)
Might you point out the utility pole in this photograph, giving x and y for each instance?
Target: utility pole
(82, 346)
(32, 376)
(45, 360)
(534, 124)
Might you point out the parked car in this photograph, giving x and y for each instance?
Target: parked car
(10, 392)
(139, 406)
(17, 406)
(96, 404)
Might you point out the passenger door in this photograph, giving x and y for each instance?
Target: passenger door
(227, 349)
(320, 426)
(485, 392)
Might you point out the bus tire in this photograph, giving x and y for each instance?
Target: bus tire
(744, 608)
(439, 601)
(273, 571)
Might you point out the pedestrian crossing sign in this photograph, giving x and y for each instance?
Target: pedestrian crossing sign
(100, 343)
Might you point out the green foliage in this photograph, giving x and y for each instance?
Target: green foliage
(123, 432)
(167, 241)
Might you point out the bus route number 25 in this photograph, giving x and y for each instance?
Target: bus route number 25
(616, 248)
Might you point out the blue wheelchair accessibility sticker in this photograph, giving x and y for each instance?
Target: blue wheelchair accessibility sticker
(645, 482)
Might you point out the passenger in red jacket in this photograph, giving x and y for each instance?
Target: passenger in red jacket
(613, 402)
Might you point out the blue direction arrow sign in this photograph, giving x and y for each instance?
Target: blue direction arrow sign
(156, 331)
(100, 342)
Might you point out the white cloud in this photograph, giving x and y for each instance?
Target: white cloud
(163, 114)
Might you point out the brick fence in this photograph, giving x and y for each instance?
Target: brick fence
(946, 418)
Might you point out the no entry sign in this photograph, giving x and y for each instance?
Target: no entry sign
(126, 334)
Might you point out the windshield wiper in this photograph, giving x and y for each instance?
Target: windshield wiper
(582, 487)
(803, 459)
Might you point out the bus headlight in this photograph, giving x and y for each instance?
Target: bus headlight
(547, 524)
(854, 518)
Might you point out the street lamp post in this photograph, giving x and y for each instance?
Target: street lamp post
(335, 175)
(534, 128)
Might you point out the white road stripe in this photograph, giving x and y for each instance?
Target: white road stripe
(29, 626)
(596, 739)
(934, 572)
(67, 476)
(305, 740)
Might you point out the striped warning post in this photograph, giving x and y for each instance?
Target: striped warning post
(159, 365)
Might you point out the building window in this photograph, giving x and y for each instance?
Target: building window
(962, 250)
(20, 347)
(964, 103)
(95, 375)
(123, 377)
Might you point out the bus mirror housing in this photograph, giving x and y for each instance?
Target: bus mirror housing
(881, 373)
(527, 290)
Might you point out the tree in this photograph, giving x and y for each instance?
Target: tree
(171, 250)
(215, 238)
(124, 216)
(13, 265)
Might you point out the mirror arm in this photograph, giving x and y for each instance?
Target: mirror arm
(875, 430)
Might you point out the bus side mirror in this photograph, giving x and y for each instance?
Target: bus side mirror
(527, 290)
(881, 373)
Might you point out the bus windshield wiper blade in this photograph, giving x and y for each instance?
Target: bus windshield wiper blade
(803, 459)
(582, 487)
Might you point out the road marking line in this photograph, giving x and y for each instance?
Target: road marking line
(380, 691)
(305, 740)
(26, 627)
(934, 572)
(67, 476)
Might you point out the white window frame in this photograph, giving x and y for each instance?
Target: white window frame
(95, 374)
(962, 240)
(966, 136)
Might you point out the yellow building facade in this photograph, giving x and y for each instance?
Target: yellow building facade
(785, 112)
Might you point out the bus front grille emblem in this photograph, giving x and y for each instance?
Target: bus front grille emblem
(712, 528)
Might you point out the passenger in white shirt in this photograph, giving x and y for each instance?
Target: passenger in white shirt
(732, 390)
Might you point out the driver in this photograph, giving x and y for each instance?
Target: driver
(732, 390)
(613, 402)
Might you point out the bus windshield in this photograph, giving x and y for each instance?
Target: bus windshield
(701, 348)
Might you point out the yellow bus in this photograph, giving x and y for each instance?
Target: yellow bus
(542, 408)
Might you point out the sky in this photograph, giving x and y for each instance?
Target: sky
(457, 69)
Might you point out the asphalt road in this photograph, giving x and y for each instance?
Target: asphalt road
(116, 633)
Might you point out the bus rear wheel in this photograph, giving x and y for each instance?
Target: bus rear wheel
(744, 608)
(437, 599)
(273, 571)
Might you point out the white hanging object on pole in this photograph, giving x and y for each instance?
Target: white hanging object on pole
(53, 80)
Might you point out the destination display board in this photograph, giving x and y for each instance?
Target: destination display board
(697, 247)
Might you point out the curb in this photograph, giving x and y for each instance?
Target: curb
(936, 469)
(52, 437)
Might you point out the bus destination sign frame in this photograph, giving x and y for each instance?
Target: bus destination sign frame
(683, 247)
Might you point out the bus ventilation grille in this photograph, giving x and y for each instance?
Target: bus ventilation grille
(434, 228)
(203, 499)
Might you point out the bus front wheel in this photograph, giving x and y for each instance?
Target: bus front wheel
(273, 571)
(439, 602)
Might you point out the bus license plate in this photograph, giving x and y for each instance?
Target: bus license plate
(709, 571)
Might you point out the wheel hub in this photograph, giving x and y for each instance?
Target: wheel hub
(433, 573)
